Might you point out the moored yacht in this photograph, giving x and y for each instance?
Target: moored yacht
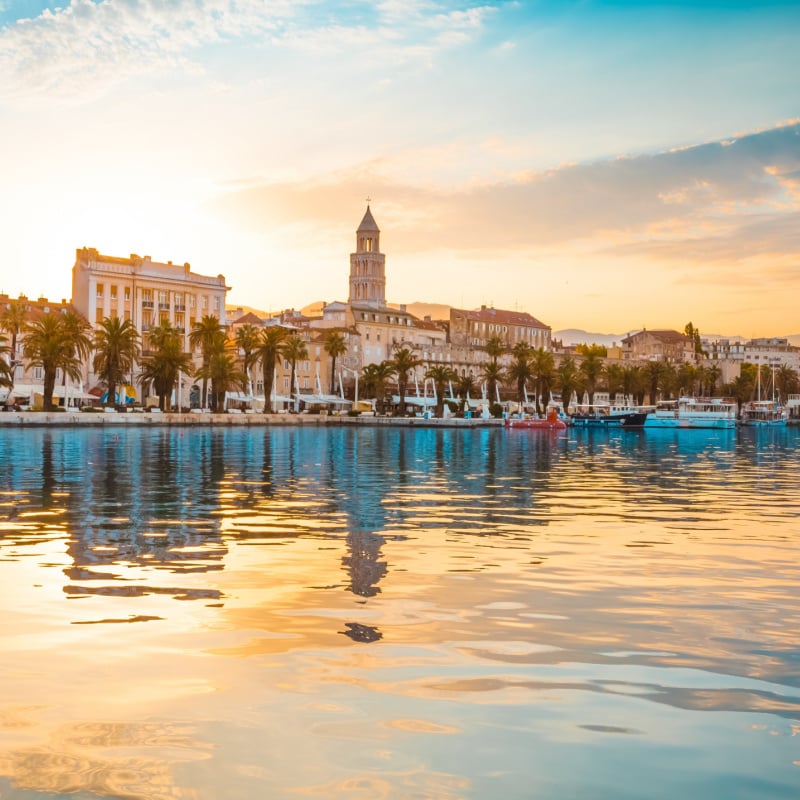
(693, 412)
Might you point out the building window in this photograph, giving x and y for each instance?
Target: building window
(99, 291)
(114, 293)
(127, 294)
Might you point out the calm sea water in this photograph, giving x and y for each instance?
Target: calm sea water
(386, 613)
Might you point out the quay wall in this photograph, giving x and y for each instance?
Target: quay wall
(30, 419)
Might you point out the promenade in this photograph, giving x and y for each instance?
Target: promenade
(34, 419)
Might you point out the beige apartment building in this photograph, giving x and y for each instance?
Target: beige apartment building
(144, 291)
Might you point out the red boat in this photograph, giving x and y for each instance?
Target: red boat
(550, 423)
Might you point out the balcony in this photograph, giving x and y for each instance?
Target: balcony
(180, 306)
(147, 303)
(163, 306)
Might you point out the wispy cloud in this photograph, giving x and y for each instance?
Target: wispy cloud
(716, 201)
(89, 46)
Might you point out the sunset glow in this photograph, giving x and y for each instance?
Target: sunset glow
(601, 165)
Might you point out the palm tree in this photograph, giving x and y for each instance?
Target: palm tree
(687, 378)
(223, 373)
(633, 383)
(493, 374)
(495, 347)
(713, 374)
(403, 363)
(374, 378)
(269, 350)
(543, 370)
(335, 346)
(441, 375)
(116, 346)
(205, 336)
(247, 340)
(164, 361)
(786, 381)
(615, 380)
(591, 368)
(52, 342)
(6, 370)
(654, 373)
(12, 321)
(569, 380)
(519, 370)
(294, 350)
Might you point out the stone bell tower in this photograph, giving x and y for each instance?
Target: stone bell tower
(368, 266)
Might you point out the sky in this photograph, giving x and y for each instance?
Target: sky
(602, 165)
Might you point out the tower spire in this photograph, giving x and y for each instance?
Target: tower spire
(368, 264)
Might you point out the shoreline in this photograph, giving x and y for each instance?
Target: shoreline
(41, 419)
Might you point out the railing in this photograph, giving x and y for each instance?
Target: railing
(147, 303)
(163, 306)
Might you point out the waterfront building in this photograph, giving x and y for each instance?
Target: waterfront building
(658, 345)
(144, 291)
(774, 352)
(28, 381)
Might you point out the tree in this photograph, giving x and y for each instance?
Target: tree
(374, 378)
(694, 336)
(403, 363)
(569, 380)
(164, 361)
(12, 321)
(116, 348)
(269, 350)
(206, 336)
(6, 370)
(495, 347)
(494, 375)
(786, 382)
(441, 375)
(654, 373)
(519, 370)
(247, 340)
(687, 378)
(294, 349)
(712, 375)
(335, 346)
(633, 383)
(543, 371)
(591, 368)
(53, 341)
(615, 379)
(223, 373)
(592, 350)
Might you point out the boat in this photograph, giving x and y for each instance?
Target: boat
(692, 413)
(760, 413)
(602, 415)
(635, 420)
(551, 422)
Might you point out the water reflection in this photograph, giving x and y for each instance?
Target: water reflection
(390, 599)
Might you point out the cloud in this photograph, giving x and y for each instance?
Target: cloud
(88, 47)
(715, 201)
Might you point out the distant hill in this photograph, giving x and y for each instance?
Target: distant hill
(422, 310)
(570, 336)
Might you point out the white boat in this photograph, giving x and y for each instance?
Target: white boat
(764, 413)
(693, 412)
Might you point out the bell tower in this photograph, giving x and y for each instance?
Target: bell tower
(368, 265)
